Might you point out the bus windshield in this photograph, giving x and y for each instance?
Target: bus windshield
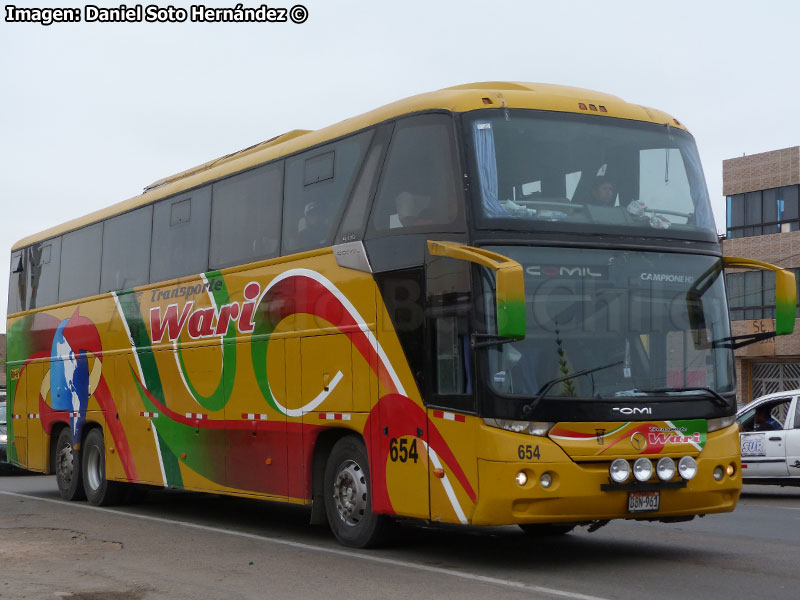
(546, 170)
(626, 311)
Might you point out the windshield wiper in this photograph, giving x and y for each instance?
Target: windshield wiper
(546, 387)
(715, 396)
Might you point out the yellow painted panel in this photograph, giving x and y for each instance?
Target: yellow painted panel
(326, 373)
(36, 454)
(451, 500)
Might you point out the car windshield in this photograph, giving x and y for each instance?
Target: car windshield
(544, 170)
(623, 315)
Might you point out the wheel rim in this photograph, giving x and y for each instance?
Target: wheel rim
(65, 464)
(350, 493)
(93, 466)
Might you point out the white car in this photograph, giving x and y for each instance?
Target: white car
(770, 437)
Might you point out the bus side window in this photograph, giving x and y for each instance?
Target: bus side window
(355, 217)
(16, 283)
(180, 235)
(81, 251)
(448, 302)
(317, 184)
(126, 250)
(246, 217)
(419, 186)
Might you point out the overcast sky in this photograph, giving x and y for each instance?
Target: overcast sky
(93, 112)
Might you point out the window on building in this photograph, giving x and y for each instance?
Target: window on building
(751, 294)
(763, 212)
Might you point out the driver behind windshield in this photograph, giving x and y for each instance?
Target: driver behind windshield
(764, 421)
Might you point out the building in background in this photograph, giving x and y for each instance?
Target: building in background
(763, 223)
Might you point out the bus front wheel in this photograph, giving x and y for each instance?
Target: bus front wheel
(99, 491)
(347, 496)
(68, 467)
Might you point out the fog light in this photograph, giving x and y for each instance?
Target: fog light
(687, 467)
(665, 468)
(731, 470)
(718, 473)
(521, 478)
(546, 480)
(642, 469)
(620, 470)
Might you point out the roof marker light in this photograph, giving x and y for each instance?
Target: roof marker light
(603, 108)
(581, 105)
(592, 107)
(487, 100)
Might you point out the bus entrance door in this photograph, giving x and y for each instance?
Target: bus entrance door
(34, 377)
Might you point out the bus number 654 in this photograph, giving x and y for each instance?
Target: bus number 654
(402, 451)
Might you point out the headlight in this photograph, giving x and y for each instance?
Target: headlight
(665, 468)
(720, 423)
(687, 467)
(530, 427)
(3, 438)
(642, 469)
(620, 470)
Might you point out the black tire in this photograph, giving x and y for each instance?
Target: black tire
(67, 467)
(348, 503)
(99, 491)
(546, 529)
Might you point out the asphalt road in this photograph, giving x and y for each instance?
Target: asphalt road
(193, 546)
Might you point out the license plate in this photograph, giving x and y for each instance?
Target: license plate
(643, 501)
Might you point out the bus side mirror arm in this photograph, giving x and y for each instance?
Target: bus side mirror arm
(785, 291)
(785, 304)
(509, 292)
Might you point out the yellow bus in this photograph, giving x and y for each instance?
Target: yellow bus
(494, 304)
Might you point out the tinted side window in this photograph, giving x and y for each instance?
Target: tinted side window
(126, 250)
(355, 218)
(246, 217)
(419, 188)
(80, 263)
(43, 272)
(317, 185)
(448, 299)
(180, 235)
(16, 283)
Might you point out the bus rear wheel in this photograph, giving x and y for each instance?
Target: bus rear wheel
(68, 467)
(546, 529)
(99, 491)
(348, 503)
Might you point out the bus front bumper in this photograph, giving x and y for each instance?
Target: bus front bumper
(575, 493)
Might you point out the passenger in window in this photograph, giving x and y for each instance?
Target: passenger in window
(412, 210)
(316, 226)
(764, 421)
(603, 192)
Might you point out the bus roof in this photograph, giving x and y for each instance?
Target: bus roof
(461, 98)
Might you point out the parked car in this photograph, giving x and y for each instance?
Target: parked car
(769, 429)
